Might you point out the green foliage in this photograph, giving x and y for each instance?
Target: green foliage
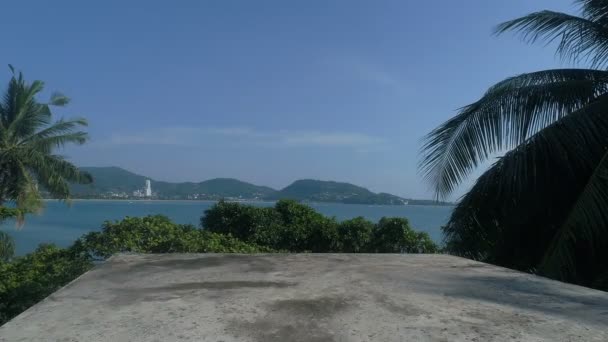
(304, 229)
(355, 235)
(26, 280)
(543, 206)
(6, 213)
(394, 235)
(13, 213)
(7, 246)
(295, 227)
(157, 234)
(240, 221)
(28, 139)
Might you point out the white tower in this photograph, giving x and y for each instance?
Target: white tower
(148, 188)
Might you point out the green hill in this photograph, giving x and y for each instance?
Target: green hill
(109, 179)
(114, 182)
(214, 188)
(328, 191)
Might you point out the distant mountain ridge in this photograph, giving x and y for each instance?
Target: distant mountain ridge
(330, 191)
(115, 182)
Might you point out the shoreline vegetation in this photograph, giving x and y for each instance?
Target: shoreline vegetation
(227, 227)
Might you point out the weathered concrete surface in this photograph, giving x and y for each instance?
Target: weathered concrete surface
(311, 297)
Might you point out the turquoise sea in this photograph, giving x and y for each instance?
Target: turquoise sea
(61, 224)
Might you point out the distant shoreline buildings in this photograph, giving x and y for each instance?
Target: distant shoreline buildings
(145, 192)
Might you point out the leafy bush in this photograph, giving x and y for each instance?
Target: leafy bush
(157, 234)
(355, 236)
(288, 226)
(240, 221)
(26, 280)
(295, 227)
(304, 229)
(394, 235)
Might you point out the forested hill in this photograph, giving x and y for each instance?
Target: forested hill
(115, 182)
(328, 191)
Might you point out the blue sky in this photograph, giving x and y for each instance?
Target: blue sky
(268, 91)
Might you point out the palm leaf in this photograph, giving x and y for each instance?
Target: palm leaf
(579, 38)
(58, 99)
(516, 207)
(58, 128)
(586, 223)
(7, 245)
(595, 10)
(504, 117)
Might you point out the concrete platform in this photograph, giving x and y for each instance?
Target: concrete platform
(311, 297)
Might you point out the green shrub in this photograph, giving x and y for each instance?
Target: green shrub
(394, 235)
(157, 234)
(238, 220)
(355, 235)
(295, 227)
(26, 280)
(304, 229)
(289, 226)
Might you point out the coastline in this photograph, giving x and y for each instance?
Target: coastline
(147, 200)
(236, 201)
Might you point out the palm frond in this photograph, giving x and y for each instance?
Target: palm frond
(29, 114)
(7, 245)
(579, 38)
(587, 222)
(47, 166)
(505, 116)
(58, 99)
(595, 10)
(49, 144)
(25, 192)
(517, 207)
(57, 135)
(60, 127)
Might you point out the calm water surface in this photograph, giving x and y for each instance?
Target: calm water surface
(62, 224)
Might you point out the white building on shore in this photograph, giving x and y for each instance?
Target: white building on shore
(148, 188)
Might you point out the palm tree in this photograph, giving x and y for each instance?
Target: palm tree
(7, 247)
(28, 139)
(543, 206)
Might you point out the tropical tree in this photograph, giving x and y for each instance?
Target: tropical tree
(543, 206)
(28, 140)
(7, 246)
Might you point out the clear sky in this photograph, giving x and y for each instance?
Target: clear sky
(267, 91)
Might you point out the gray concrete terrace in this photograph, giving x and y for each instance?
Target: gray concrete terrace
(313, 298)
